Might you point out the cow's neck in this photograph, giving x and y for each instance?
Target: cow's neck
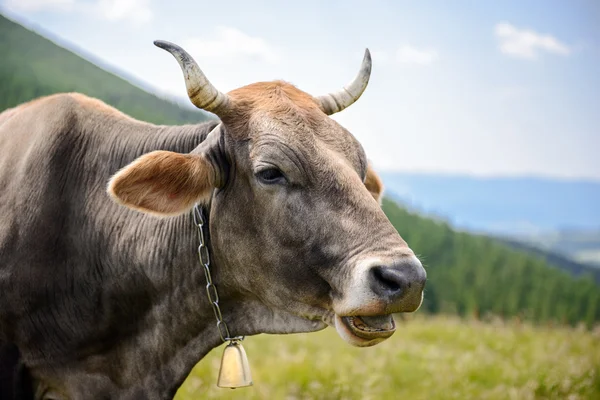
(182, 328)
(179, 328)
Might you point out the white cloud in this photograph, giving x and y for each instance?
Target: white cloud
(525, 43)
(39, 5)
(136, 11)
(408, 54)
(231, 43)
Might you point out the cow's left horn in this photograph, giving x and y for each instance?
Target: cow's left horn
(337, 101)
(200, 91)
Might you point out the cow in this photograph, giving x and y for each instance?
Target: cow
(102, 294)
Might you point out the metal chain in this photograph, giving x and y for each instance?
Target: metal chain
(211, 289)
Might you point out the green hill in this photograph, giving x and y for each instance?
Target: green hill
(477, 276)
(468, 274)
(32, 66)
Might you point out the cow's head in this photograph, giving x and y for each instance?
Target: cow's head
(295, 218)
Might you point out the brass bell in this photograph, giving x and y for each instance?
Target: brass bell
(235, 370)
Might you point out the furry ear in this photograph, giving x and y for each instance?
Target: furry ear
(163, 183)
(374, 184)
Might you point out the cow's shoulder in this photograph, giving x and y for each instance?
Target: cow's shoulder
(31, 133)
(26, 124)
(46, 146)
(56, 112)
(84, 103)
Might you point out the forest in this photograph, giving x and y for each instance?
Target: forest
(468, 275)
(477, 276)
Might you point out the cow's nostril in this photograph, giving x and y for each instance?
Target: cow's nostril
(387, 281)
(399, 285)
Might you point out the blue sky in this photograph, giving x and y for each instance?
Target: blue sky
(484, 88)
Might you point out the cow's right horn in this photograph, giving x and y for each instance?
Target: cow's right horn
(200, 91)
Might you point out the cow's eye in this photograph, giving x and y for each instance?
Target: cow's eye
(270, 176)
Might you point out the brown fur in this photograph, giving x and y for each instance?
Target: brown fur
(162, 183)
(269, 96)
(281, 100)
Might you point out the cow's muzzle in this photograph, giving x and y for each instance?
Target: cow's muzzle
(378, 290)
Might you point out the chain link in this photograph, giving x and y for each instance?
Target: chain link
(211, 289)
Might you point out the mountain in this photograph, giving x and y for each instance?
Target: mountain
(33, 66)
(556, 259)
(557, 216)
(580, 245)
(508, 206)
(467, 274)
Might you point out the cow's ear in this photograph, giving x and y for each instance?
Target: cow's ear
(374, 184)
(163, 183)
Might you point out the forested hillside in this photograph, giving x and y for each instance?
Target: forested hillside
(33, 66)
(468, 274)
(476, 275)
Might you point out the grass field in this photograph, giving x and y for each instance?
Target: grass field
(427, 358)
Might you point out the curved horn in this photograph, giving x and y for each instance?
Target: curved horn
(337, 101)
(200, 91)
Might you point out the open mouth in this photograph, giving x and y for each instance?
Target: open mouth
(365, 331)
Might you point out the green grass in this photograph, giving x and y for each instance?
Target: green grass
(428, 358)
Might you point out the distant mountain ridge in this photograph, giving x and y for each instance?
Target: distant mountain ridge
(554, 258)
(511, 206)
(556, 219)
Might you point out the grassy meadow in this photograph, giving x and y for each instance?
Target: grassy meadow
(427, 358)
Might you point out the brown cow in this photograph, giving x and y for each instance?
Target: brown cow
(102, 299)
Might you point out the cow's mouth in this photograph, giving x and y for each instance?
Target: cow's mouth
(365, 331)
